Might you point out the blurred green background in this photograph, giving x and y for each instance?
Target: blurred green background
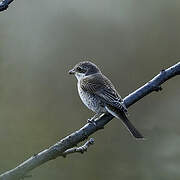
(131, 40)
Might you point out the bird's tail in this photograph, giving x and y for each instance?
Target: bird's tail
(121, 115)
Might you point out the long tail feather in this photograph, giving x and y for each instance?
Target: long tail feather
(121, 115)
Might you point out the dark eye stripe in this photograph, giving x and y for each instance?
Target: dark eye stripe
(79, 69)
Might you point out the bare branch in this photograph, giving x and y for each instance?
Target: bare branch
(152, 85)
(5, 4)
(64, 145)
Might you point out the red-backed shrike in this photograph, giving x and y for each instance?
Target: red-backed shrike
(98, 94)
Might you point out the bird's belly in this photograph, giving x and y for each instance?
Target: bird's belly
(90, 101)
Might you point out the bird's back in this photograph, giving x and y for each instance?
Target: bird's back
(96, 91)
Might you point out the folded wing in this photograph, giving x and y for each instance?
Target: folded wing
(101, 87)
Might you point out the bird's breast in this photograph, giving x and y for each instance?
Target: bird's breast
(89, 100)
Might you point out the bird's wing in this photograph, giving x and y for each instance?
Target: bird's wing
(100, 86)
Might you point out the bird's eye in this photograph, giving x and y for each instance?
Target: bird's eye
(79, 69)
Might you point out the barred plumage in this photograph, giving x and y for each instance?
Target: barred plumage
(98, 94)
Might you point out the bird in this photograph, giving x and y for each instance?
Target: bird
(99, 94)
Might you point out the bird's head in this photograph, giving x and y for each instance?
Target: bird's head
(83, 69)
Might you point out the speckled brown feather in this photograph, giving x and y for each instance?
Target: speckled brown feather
(102, 87)
(98, 94)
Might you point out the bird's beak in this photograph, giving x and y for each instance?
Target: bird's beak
(72, 71)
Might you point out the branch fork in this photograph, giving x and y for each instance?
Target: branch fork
(80, 149)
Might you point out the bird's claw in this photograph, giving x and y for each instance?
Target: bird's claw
(123, 108)
(91, 121)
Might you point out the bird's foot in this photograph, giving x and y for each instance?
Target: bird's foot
(91, 121)
(123, 108)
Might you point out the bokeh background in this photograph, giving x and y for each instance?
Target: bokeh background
(131, 40)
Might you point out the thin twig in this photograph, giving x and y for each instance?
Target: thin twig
(90, 128)
(5, 4)
(80, 149)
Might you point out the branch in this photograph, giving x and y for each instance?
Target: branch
(80, 135)
(5, 4)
